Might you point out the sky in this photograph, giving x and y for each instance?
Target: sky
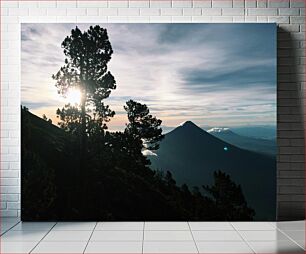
(217, 75)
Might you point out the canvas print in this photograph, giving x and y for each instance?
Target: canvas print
(159, 122)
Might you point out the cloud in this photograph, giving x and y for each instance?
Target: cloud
(38, 105)
(148, 153)
(29, 32)
(209, 73)
(244, 76)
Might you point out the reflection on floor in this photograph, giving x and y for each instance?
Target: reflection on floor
(152, 237)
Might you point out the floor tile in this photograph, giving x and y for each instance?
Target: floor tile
(291, 225)
(33, 226)
(210, 225)
(120, 226)
(276, 247)
(5, 226)
(99, 236)
(60, 247)
(63, 226)
(166, 225)
(273, 235)
(69, 236)
(168, 236)
(3, 230)
(296, 235)
(223, 247)
(216, 236)
(160, 237)
(169, 247)
(253, 225)
(17, 247)
(114, 247)
(301, 243)
(23, 236)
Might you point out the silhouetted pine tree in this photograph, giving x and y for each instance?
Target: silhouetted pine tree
(70, 119)
(142, 125)
(87, 55)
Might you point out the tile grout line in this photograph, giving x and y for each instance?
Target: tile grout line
(244, 240)
(10, 228)
(42, 238)
(290, 238)
(143, 232)
(193, 237)
(90, 237)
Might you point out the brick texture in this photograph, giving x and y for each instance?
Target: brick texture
(289, 14)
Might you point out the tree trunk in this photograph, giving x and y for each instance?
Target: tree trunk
(83, 129)
(83, 144)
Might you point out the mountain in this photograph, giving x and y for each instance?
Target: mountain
(262, 132)
(192, 155)
(248, 143)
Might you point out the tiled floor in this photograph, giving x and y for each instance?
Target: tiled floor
(152, 237)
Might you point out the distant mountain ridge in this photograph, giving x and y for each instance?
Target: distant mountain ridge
(192, 155)
(258, 132)
(248, 143)
(218, 130)
(262, 132)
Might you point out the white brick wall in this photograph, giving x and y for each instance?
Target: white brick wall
(288, 13)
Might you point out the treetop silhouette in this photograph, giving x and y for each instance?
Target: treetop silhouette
(143, 125)
(87, 55)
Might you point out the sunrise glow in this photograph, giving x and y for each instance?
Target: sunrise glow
(73, 96)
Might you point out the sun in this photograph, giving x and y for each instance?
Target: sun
(74, 96)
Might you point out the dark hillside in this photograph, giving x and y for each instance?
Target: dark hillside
(115, 187)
